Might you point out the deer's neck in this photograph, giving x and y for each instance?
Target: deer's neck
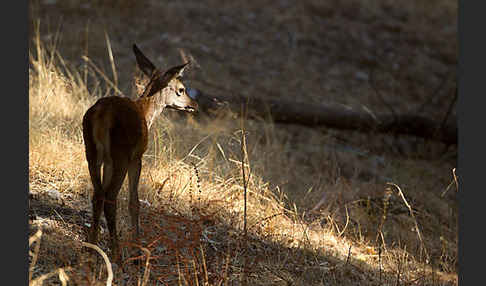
(150, 109)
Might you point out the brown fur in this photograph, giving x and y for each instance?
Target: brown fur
(115, 132)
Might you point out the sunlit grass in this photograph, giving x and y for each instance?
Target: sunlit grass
(192, 192)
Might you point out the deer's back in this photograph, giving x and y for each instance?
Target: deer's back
(119, 122)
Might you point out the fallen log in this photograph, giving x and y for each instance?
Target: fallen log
(333, 116)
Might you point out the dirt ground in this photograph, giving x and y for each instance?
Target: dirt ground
(311, 51)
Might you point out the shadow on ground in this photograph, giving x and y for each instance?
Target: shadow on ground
(200, 247)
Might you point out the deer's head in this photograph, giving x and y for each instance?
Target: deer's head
(166, 89)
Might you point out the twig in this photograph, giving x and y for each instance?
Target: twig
(386, 202)
(53, 48)
(85, 66)
(245, 187)
(60, 271)
(147, 266)
(109, 280)
(195, 272)
(203, 258)
(455, 178)
(198, 181)
(110, 54)
(414, 219)
(112, 85)
(195, 146)
(63, 276)
(379, 262)
(244, 157)
(320, 203)
(383, 243)
(349, 254)
(450, 184)
(245, 183)
(36, 237)
(347, 221)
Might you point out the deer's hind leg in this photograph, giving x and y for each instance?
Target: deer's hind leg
(118, 169)
(94, 158)
(97, 200)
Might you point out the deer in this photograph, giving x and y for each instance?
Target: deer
(115, 133)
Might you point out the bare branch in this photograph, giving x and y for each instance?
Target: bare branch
(109, 280)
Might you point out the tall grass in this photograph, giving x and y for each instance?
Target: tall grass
(58, 98)
(193, 206)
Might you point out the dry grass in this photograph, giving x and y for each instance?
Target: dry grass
(312, 219)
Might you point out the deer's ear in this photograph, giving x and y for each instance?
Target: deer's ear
(143, 62)
(158, 81)
(177, 71)
(155, 84)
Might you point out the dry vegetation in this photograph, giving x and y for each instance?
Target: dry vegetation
(319, 209)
